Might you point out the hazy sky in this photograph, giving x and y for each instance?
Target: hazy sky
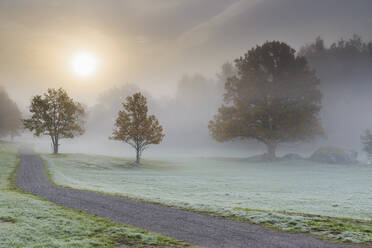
(153, 43)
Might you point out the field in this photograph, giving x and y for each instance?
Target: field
(28, 221)
(284, 195)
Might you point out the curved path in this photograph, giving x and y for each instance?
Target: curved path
(198, 229)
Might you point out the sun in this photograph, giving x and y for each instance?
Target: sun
(84, 64)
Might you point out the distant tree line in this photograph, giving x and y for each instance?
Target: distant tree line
(341, 62)
(10, 116)
(345, 71)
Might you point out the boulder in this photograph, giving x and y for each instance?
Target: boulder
(258, 158)
(262, 158)
(291, 156)
(332, 155)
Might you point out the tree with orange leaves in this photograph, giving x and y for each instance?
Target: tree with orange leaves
(135, 127)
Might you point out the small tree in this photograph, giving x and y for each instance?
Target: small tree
(274, 98)
(135, 127)
(57, 115)
(367, 143)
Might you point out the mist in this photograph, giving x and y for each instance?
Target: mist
(185, 123)
(181, 64)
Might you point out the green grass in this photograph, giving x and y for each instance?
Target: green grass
(29, 221)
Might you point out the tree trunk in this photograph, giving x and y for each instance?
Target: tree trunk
(55, 145)
(55, 148)
(138, 157)
(271, 148)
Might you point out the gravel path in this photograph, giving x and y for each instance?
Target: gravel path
(192, 227)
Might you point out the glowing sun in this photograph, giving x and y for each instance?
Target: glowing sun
(84, 64)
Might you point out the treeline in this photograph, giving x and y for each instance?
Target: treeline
(342, 63)
(10, 116)
(345, 72)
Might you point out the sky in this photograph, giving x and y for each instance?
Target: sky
(153, 43)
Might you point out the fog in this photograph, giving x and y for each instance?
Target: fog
(179, 55)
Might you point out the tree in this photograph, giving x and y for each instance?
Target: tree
(108, 103)
(273, 99)
(135, 127)
(55, 114)
(367, 142)
(10, 116)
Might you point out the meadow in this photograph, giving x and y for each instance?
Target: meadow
(30, 221)
(333, 201)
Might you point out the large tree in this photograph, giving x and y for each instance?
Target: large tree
(135, 127)
(274, 98)
(55, 114)
(10, 116)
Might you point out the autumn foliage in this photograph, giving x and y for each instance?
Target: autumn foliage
(55, 114)
(134, 127)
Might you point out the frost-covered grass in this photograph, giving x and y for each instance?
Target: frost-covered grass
(28, 221)
(235, 187)
(344, 230)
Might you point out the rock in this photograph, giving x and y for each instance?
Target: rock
(260, 158)
(134, 164)
(256, 158)
(264, 158)
(332, 155)
(291, 156)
